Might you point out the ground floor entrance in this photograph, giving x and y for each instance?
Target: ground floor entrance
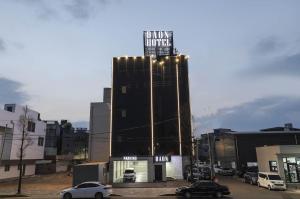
(146, 169)
(158, 173)
(292, 169)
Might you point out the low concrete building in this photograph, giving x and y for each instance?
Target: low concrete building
(10, 141)
(282, 159)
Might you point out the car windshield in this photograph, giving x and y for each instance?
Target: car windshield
(129, 171)
(252, 174)
(274, 177)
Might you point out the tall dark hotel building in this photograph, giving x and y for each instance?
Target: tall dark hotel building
(151, 116)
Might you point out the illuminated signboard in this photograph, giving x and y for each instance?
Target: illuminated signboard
(162, 158)
(129, 158)
(158, 43)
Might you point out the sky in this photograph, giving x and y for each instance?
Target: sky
(244, 67)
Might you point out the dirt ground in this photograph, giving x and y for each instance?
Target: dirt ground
(43, 184)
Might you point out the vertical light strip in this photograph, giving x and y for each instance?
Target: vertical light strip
(151, 102)
(111, 105)
(191, 116)
(178, 107)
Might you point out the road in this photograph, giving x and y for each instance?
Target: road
(37, 188)
(238, 189)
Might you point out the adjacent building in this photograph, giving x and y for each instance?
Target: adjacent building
(238, 149)
(281, 159)
(99, 140)
(11, 136)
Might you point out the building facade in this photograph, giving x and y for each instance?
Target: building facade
(151, 118)
(99, 140)
(11, 132)
(281, 159)
(238, 149)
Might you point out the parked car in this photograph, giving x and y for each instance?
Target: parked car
(271, 181)
(86, 190)
(217, 169)
(205, 173)
(129, 175)
(240, 173)
(203, 188)
(196, 175)
(226, 172)
(250, 177)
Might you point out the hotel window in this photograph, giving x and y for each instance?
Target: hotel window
(273, 166)
(31, 126)
(6, 168)
(41, 141)
(124, 114)
(124, 89)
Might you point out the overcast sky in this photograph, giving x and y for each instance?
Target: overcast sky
(55, 55)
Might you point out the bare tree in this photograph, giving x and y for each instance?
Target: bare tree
(26, 141)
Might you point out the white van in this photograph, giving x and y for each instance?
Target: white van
(270, 181)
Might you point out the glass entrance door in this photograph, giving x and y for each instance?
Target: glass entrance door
(293, 172)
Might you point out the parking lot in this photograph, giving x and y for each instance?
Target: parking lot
(50, 185)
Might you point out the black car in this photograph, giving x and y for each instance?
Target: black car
(203, 188)
(243, 170)
(250, 177)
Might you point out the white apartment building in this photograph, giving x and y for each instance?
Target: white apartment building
(10, 141)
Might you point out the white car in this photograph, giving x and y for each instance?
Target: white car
(217, 169)
(129, 175)
(86, 190)
(270, 181)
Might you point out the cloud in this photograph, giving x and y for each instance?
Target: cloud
(2, 45)
(10, 92)
(270, 56)
(77, 9)
(255, 115)
(83, 9)
(267, 45)
(284, 65)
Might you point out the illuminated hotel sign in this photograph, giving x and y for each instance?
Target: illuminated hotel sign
(162, 158)
(129, 158)
(158, 43)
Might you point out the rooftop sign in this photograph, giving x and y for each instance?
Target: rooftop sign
(158, 43)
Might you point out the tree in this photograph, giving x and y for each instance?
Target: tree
(26, 141)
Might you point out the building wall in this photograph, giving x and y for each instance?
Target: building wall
(99, 140)
(264, 155)
(33, 151)
(247, 143)
(166, 100)
(131, 115)
(14, 172)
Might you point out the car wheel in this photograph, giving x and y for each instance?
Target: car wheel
(67, 196)
(187, 195)
(258, 184)
(219, 195)
(98, 196)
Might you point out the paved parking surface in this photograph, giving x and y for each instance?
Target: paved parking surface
(49, 187)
